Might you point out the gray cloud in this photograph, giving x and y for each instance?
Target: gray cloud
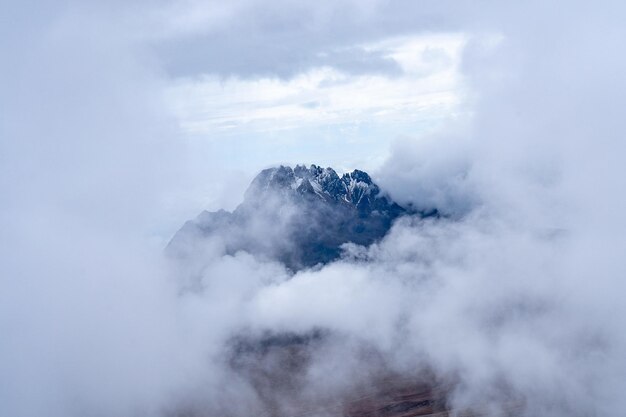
(256, 57)
(283, 38)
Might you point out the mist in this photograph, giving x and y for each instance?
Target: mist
(511, 300)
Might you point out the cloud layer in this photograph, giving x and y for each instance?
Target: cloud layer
(516, 296)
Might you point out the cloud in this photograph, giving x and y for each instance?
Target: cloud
(284, 39)
(428, 87)
(515, 297)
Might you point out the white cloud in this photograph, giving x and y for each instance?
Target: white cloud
(429, 88)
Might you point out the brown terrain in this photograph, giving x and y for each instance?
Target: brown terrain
(276, 370)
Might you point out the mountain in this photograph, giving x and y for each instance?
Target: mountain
(300, 216)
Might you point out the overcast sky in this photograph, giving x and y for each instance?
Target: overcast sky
(238, 86)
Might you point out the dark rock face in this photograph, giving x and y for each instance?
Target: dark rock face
(299, 216)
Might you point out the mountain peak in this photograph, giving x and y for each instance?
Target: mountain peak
(300, 216)
(355, 188)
